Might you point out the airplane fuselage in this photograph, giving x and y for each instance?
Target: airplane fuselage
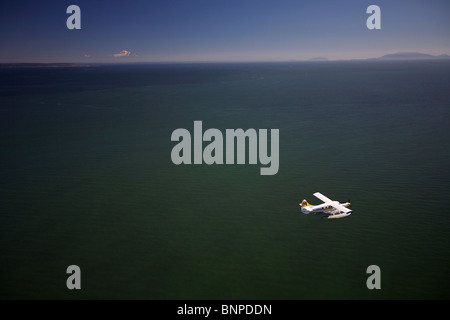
(327, 208)
(331, 209)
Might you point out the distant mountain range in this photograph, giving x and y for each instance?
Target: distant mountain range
(412, 56)
(399, 56)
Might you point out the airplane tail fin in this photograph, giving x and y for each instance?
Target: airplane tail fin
(305, 203)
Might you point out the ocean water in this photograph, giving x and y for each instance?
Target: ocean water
(87, 179)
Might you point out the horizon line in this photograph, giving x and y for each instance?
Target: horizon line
(187, 61)
(211, 62)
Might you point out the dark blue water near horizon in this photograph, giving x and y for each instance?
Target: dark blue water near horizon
(87, 179)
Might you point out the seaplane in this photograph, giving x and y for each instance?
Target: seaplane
(329, 208)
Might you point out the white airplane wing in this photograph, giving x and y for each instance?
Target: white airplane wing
(341, 208)
(320, 196)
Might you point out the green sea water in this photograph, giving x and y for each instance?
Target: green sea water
(87, 179)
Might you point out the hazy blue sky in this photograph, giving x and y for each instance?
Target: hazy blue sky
(217, 30)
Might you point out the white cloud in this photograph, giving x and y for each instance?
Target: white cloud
(123, 53)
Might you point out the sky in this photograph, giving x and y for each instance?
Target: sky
(218, 30)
